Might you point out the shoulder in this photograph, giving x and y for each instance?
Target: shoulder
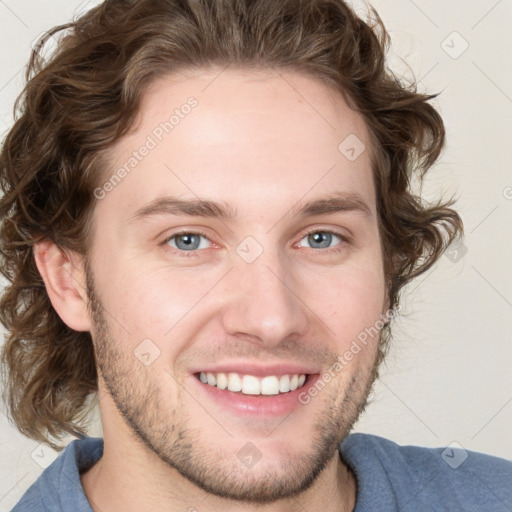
(58, 488)
(447, 478)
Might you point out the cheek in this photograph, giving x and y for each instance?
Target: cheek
(152, 301)
(351, 302)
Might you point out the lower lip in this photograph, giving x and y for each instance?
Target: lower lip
(257, 405)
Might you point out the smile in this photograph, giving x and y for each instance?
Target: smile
(252, 385)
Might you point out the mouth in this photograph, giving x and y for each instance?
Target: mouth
(244, 384)
(254, 396)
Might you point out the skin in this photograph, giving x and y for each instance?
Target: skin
(263, 147)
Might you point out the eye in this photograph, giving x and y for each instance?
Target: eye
(321, 239)
(188, 241)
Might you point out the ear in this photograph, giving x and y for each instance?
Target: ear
(386, 311)
(64, 278)
(386, 305)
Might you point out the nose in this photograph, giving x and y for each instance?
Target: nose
(266, 303)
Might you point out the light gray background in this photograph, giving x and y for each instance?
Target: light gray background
(447, 378)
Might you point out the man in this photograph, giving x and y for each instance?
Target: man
(207, 220)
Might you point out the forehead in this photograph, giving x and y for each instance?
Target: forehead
(240, 134)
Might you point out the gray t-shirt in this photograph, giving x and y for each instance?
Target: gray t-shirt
(389, 478)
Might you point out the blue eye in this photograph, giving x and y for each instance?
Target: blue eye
(188, 241)
(321, 239)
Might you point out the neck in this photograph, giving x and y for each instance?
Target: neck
(130, 477)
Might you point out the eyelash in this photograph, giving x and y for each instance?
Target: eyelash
(185, 254)
(190, 254)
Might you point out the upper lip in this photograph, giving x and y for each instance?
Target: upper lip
(258, 370)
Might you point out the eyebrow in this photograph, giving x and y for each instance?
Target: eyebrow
(340, 202)
(171, 205)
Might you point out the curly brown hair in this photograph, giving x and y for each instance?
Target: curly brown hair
(86, 96)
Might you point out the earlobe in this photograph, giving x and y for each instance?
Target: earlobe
(64, 279)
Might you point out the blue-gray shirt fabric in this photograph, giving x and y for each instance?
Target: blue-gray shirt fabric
(390, 478)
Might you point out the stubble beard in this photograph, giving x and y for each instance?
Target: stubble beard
(179, 444)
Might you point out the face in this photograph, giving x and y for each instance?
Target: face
(241, 248)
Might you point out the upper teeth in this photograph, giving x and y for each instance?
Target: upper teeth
(251, 385)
